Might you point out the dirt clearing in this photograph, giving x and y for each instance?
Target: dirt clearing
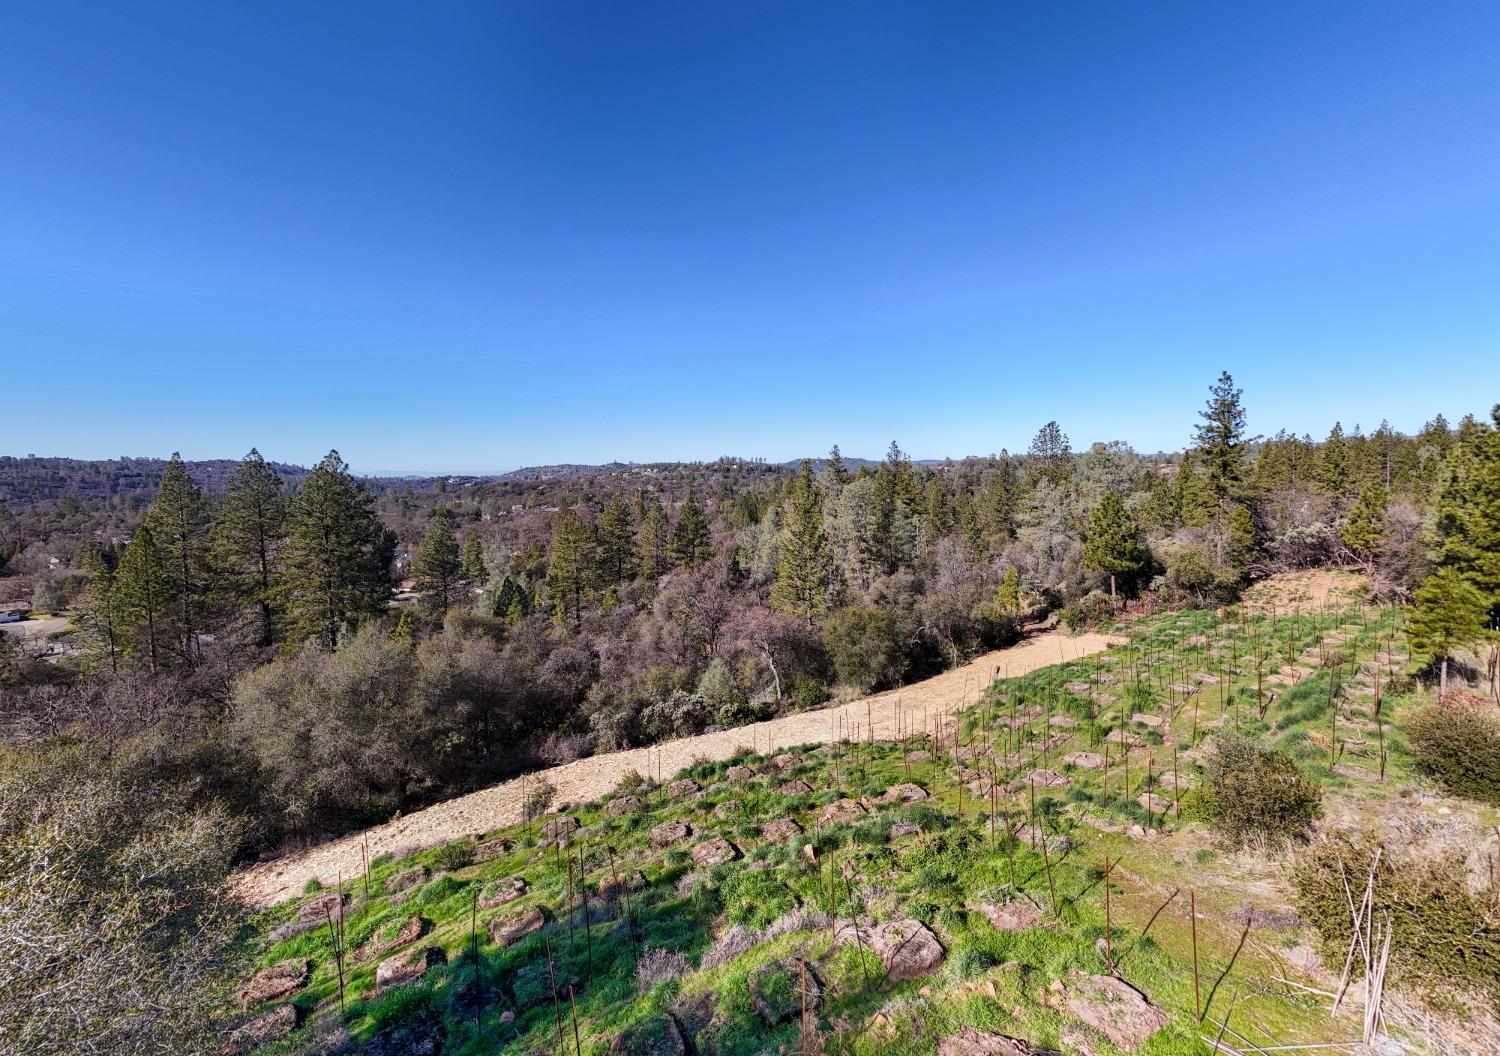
(587, 779)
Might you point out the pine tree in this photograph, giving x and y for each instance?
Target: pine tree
(616, 540)
(655, 542)
(838, 473)
(997, 504)
(1333, 462)
(335, 563)
(1466, 529)
(248, 535)
(1221, 440)
(141, 601)
(691, 540)
(101, 630)
(966, 515)
(1110, 541)
(438, 565)
(1450, 613)
(473, 570)
(179, 523)
(939, 508)
(804, 566)
(572, 567)
(1051, 457)
(1192, 503)
(1241, 537)
(1365, 527)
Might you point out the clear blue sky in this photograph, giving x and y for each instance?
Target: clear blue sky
(477, 236)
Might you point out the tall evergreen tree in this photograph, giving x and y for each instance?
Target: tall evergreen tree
(691, 540)
(616, 540)
(142, 602)
(335, 563)
(572, 567)
(804, 566)
(180, 528)
(473, 570)
(1051, 456)
(1110, 544)
(1365, 526)
(838, 473)
(1008, 597)
(438, 566)
(247, 537)
(656, 548)
(1221, 440)
(1466, 528)
(101, 629)
(939, 508)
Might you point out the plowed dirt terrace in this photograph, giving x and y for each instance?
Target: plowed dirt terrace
(587, 779)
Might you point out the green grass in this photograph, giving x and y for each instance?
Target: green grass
(992, 980)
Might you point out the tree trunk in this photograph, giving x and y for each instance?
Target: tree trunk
(1112, 600)
(1443, 680)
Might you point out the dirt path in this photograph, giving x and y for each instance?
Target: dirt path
(577, 782)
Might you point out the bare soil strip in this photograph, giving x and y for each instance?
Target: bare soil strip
(479, 812)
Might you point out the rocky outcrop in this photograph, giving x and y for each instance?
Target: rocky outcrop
(270, 984)
(1115, 1009)
(668, 833)
(262, 1030)
(509, 930)
(716, 851)
(407, 967)
(907, 948)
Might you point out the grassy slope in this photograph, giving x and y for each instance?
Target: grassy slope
(991, 979)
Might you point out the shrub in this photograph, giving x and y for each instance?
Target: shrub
(1459, 744)
(538, 799)
(1072, 618)
(659, 966)
(863, 645)
(1442, 932)
(454, 855)
(1254, 793)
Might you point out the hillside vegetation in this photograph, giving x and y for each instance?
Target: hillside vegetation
(1047, 867)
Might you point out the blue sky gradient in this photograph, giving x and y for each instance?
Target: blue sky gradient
(477, 236)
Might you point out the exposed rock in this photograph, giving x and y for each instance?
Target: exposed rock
(728, 810)
(407, 967)
(1063, 722)
(559, 827)
(491, 849)
(615, 885)
(262, 1030)
(501, 892)
(406, 879)
(907, 948)
(1115, 1009)
(1055, 844)
(971, 1042)
(781, 829)
(919, 756)
(653, 1036)
(508, 930)
(739, 773)
(716, 851)
(785, 761)
(1045, 779)
(903, 828)
(904, 793)
(1121, 737)
(669, 832)
(1012, 916)
(681, 789)
(317, 909)
(847, 811)
(795, 788)
(277, 981)
(622, 806)
(407, 933)
(1152, 722)
(1085, 760)
(1077, 687)
(779, 989)
(1153, 804)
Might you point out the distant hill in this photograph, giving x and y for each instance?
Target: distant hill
(27, 481)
